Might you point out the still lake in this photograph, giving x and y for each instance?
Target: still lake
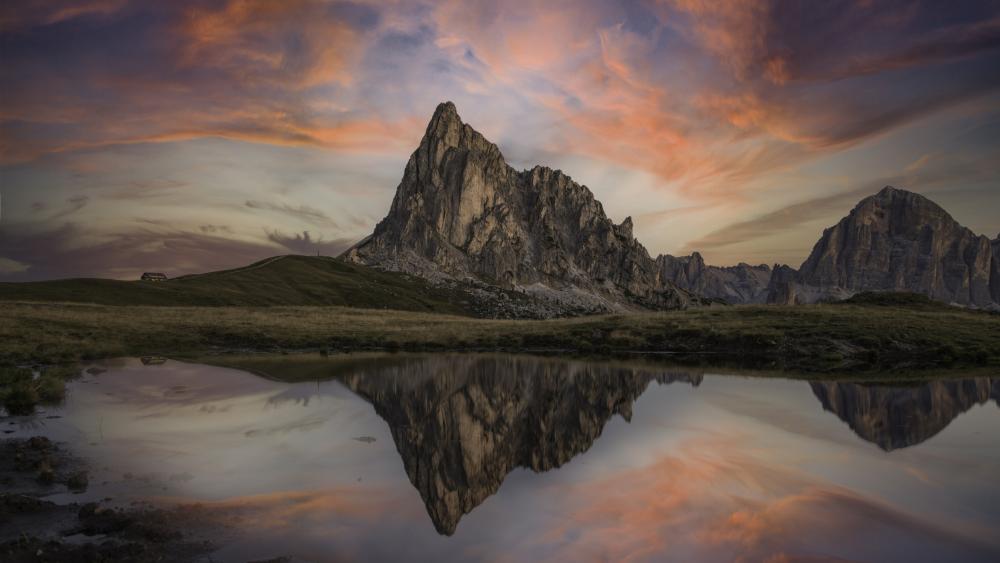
(499, 457)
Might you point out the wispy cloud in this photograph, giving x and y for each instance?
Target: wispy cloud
(73, 251)
(23, 14)
(304, 243)
(782, 220)
(213, 229)
(73, 204)
(10, 267)
(303, 212)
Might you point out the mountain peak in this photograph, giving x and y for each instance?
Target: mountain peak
(462, 212)
(446, 130)
(446, 112)
(445, 125)
(891, 194)
(894, 210)
(897, 240)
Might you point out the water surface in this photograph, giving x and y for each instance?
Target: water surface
(494, 457)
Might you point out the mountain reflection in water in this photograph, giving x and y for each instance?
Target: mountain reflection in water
(524, 458)
(461, 423)
(898, 417)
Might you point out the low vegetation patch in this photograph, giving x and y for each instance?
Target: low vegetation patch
(21, 389)
(899, 299)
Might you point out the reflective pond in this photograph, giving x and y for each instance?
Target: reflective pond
(498, 457)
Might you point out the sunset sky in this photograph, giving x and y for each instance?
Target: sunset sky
(188, 136)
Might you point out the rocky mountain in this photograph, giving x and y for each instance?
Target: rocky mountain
(462, 423)
(897, 240)
(536, 243)
(461, 212)
(742, 283)
(898, 417)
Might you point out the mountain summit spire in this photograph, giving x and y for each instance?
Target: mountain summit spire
(445, 124)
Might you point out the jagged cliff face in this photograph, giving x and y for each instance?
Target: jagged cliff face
(781, 288)
(897, 240)
(742, 283)
(898, 417)
(462, 423)
(461, 211)
(995, 270)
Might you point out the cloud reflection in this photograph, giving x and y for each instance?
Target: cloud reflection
(717, 500)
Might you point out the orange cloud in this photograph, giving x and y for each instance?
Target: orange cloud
(624, 116)
(295, 42)
(736, 32)
(244, 70)
(607, 100)
(370, 135)
(512, 38)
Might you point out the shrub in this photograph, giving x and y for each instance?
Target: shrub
(11, 375)
(50, 389)
(20, 398)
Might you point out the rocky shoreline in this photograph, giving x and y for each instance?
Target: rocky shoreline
(34, 529)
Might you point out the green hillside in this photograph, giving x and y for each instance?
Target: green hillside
(281, 280)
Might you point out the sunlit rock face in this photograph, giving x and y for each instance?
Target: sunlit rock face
(898, 417)
(897, 240)
(742, 283)
(462, 212)
(461, 424)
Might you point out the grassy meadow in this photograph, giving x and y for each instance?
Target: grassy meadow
(865, 335)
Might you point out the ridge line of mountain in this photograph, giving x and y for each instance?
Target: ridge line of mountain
(461, 213)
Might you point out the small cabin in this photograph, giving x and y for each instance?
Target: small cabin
(153, 276)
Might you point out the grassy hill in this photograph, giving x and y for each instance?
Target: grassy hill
(281, 280)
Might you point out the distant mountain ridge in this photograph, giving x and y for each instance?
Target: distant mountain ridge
(897, 240)
(742, 283)
(894, 240)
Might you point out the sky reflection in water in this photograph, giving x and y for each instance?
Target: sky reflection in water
(653, 464)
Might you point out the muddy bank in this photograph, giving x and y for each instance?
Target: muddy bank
(33, 529)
